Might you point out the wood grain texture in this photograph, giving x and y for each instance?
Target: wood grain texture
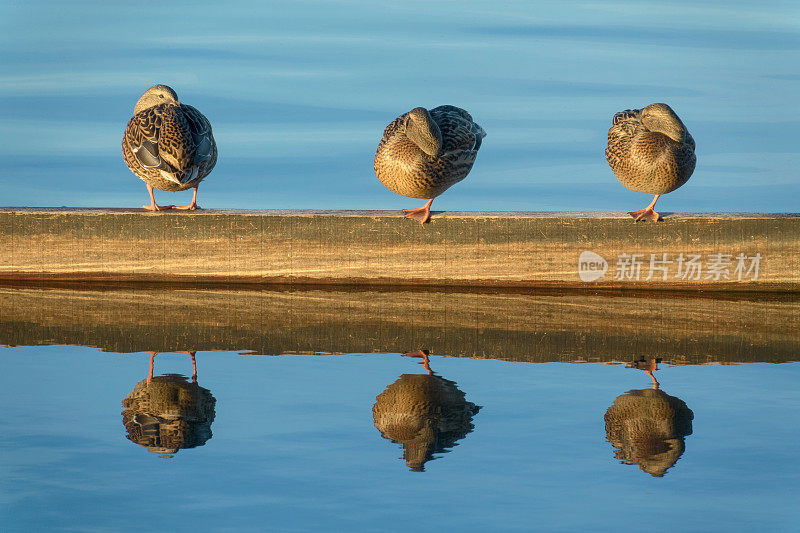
(363, 248)
(528, 327)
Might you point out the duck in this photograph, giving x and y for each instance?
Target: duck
(425, 152)
(647, 427)
(650, 151)
(426, 414)
(165, 414)
(168, 145)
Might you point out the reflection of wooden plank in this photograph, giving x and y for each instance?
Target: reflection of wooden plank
(515, 327)
(455, 249)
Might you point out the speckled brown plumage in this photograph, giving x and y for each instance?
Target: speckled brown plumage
(440, 155)
(426, 414)
(647, 427)
(650, 150)
(167, 144)
(168, 413)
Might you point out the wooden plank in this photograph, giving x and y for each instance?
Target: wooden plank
(381, 248)
(530, 327)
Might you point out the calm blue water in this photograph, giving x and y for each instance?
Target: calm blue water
(299, 93)
(294, 447)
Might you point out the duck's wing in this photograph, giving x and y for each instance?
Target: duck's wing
(454, 166)
(459, 131)
(627, 115)
(176, 145)
(626, 126)
(141, 136)
(690, 141)
(202, 135)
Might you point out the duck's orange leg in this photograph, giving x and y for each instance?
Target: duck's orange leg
(153, 206)
(194, 366)
(425, 360)
(192, 206)
(423, 214)
(150, 373)
(647, 213)
(649, 366)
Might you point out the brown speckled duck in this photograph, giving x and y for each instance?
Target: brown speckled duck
(650, 151)
(424, 413)
(169, 145)
(647, 427)
(423, 153)
(168, 413)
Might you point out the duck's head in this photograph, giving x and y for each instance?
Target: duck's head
(423, 131)
(156, 95)
(661, 118)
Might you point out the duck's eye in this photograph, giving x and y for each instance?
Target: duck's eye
(161, 96)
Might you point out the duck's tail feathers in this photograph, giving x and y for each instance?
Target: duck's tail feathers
(203, 148)
(626, 116)
(181, 178)
(480, 133)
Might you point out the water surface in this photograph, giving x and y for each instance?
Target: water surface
(299, 94)
(500, 431)
(294, 446)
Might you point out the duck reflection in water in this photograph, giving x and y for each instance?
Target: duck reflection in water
(424, 413)
(647, 427)
(168, 413)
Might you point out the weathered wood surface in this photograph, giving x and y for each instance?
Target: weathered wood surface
(380, 247)
(505, 326)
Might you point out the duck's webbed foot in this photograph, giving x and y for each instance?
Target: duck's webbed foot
(156, 207)
(422, 214)
(645, 214)
(192, 206)
(648, 213)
